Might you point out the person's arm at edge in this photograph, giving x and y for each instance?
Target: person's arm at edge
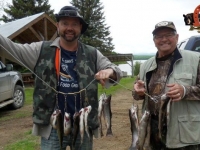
(104, 63)
(25, 53)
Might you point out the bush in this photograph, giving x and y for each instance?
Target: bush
(137, 68)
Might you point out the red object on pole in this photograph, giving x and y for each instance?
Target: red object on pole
(196, 17)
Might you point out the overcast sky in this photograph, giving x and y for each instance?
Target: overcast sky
(132, 21)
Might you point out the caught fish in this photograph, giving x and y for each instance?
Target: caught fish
(81, 124)
(168, 111)
(107, 114)
(53, 119)
(133, 116)
(75, 129)
(87, 111)
(146, 145)
(59, 126)
(162, 113)
(100, 108)
(67, 124)
(143, 129)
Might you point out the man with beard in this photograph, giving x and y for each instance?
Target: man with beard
(64, 68)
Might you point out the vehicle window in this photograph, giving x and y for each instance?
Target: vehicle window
(2, 67)
(182, 44)
(196, 46)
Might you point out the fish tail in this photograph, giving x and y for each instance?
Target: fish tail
(109, 132)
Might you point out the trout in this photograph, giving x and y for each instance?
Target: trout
(75, 129)
(146, 145)
(67, 124)
(59, 126)
(162, 113)
(53, 119)
(143, 129)
(87, 111)
(133, 116)
(81, 124)
(168, 111)
(100, 108)
(107, 114)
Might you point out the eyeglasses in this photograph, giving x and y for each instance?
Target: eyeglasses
(167, 36)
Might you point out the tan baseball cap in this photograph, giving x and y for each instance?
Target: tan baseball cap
(164, 24)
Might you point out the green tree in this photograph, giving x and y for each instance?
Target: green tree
(23, 8)
(137, 68)
(98, 34)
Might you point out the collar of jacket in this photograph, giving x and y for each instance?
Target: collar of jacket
(177, 56)
(56, 42)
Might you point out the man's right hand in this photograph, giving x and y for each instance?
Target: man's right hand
(139, 87)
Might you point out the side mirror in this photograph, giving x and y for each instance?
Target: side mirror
(9, 67)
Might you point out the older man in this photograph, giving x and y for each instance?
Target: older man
(176, 73)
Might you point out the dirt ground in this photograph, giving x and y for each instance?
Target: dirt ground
(13, 129)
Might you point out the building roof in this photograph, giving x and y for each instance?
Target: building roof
(9, 28)
(120, 57)
(30, 29)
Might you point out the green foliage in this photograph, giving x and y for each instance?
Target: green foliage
(23, 8)
(125, 83)
(97, 34)
(137, 68)
(18, 115)
(29, 96)
(25, 142)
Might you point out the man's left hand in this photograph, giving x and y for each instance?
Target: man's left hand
(175, 91)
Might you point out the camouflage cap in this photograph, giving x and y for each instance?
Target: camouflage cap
(164, 24)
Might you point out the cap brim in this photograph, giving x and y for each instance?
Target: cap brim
(155, 30)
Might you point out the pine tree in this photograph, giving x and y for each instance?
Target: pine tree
(97, 34)
(23, 8)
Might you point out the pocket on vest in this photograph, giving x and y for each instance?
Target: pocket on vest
(189, 128)
(183, 78)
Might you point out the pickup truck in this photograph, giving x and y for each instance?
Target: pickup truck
(192, 43)
(11, 87)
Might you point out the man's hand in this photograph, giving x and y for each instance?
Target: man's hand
(175, 91)
(104, 75)
(139, 87)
